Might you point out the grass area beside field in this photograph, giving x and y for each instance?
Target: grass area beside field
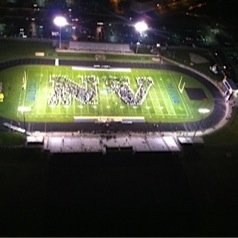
(129, 58)
(75, 56)
(227, 136)
(105, 57)
(11, 139)
(163, 102)
(182, 56)
(14, 49)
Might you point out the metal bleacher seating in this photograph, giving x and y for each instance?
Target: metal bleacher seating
(99, 47)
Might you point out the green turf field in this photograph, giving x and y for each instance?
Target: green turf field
(33, 87)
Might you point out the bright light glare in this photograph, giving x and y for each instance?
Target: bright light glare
(203, 110)
(141, 26)
(24, 109)
(60, 21)
(236, 94)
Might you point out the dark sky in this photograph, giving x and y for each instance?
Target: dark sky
(222, 8)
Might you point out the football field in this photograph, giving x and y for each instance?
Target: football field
(61, 94)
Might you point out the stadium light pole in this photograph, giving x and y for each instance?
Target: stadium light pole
(60, 21)
(137, 46)
(140, 27)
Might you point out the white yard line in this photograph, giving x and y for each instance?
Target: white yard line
(180, 95)
(165, 94)
(101, 69)
(24, 93)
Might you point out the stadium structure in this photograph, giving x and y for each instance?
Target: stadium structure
(72, 105)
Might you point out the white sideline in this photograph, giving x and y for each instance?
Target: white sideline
(108, 119)
(102, 69)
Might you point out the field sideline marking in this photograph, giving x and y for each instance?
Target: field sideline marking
(159, 99)
(186, 114)
(158, 112)
(24, 92)
(48, 81)
(183, 100)
(101, 69)
(164, 114)
(185, 105)
(20, 100)
(170, 76)
(109, 118)
(165, 96)
(148, 96)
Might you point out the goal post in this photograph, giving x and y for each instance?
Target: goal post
(181, 84)
(1, 97)
(24, 81)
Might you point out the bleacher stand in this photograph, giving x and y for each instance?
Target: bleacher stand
(99, 47)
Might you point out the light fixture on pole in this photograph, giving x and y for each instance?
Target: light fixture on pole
(137, 46)
(141, 27)
(60, 21)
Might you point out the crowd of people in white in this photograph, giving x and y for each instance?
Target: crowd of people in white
(122, 88)
(65, 90)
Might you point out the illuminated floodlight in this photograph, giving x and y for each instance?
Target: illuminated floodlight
(137, 46)
(24, 109)
(236, 94)
(60, 21)
(203, 110)
(141, 26)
